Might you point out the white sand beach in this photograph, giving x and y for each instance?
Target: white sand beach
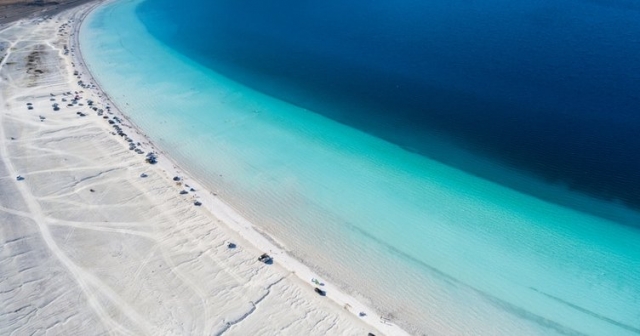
(88, 246)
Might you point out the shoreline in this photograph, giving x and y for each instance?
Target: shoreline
(123, 246)
(228, 216)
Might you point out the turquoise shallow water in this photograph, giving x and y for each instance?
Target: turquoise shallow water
(440, 250)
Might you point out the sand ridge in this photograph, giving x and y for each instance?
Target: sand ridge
(89, 246)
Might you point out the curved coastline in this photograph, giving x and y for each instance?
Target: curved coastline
(515, 309)
(229, 216)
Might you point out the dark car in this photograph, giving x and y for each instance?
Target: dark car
(265, 258)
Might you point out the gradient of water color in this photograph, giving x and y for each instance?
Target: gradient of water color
(550, 87)
(442, 250)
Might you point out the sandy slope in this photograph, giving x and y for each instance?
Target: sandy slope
(87, 246)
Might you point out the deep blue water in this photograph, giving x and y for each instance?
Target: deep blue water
(549, 87)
